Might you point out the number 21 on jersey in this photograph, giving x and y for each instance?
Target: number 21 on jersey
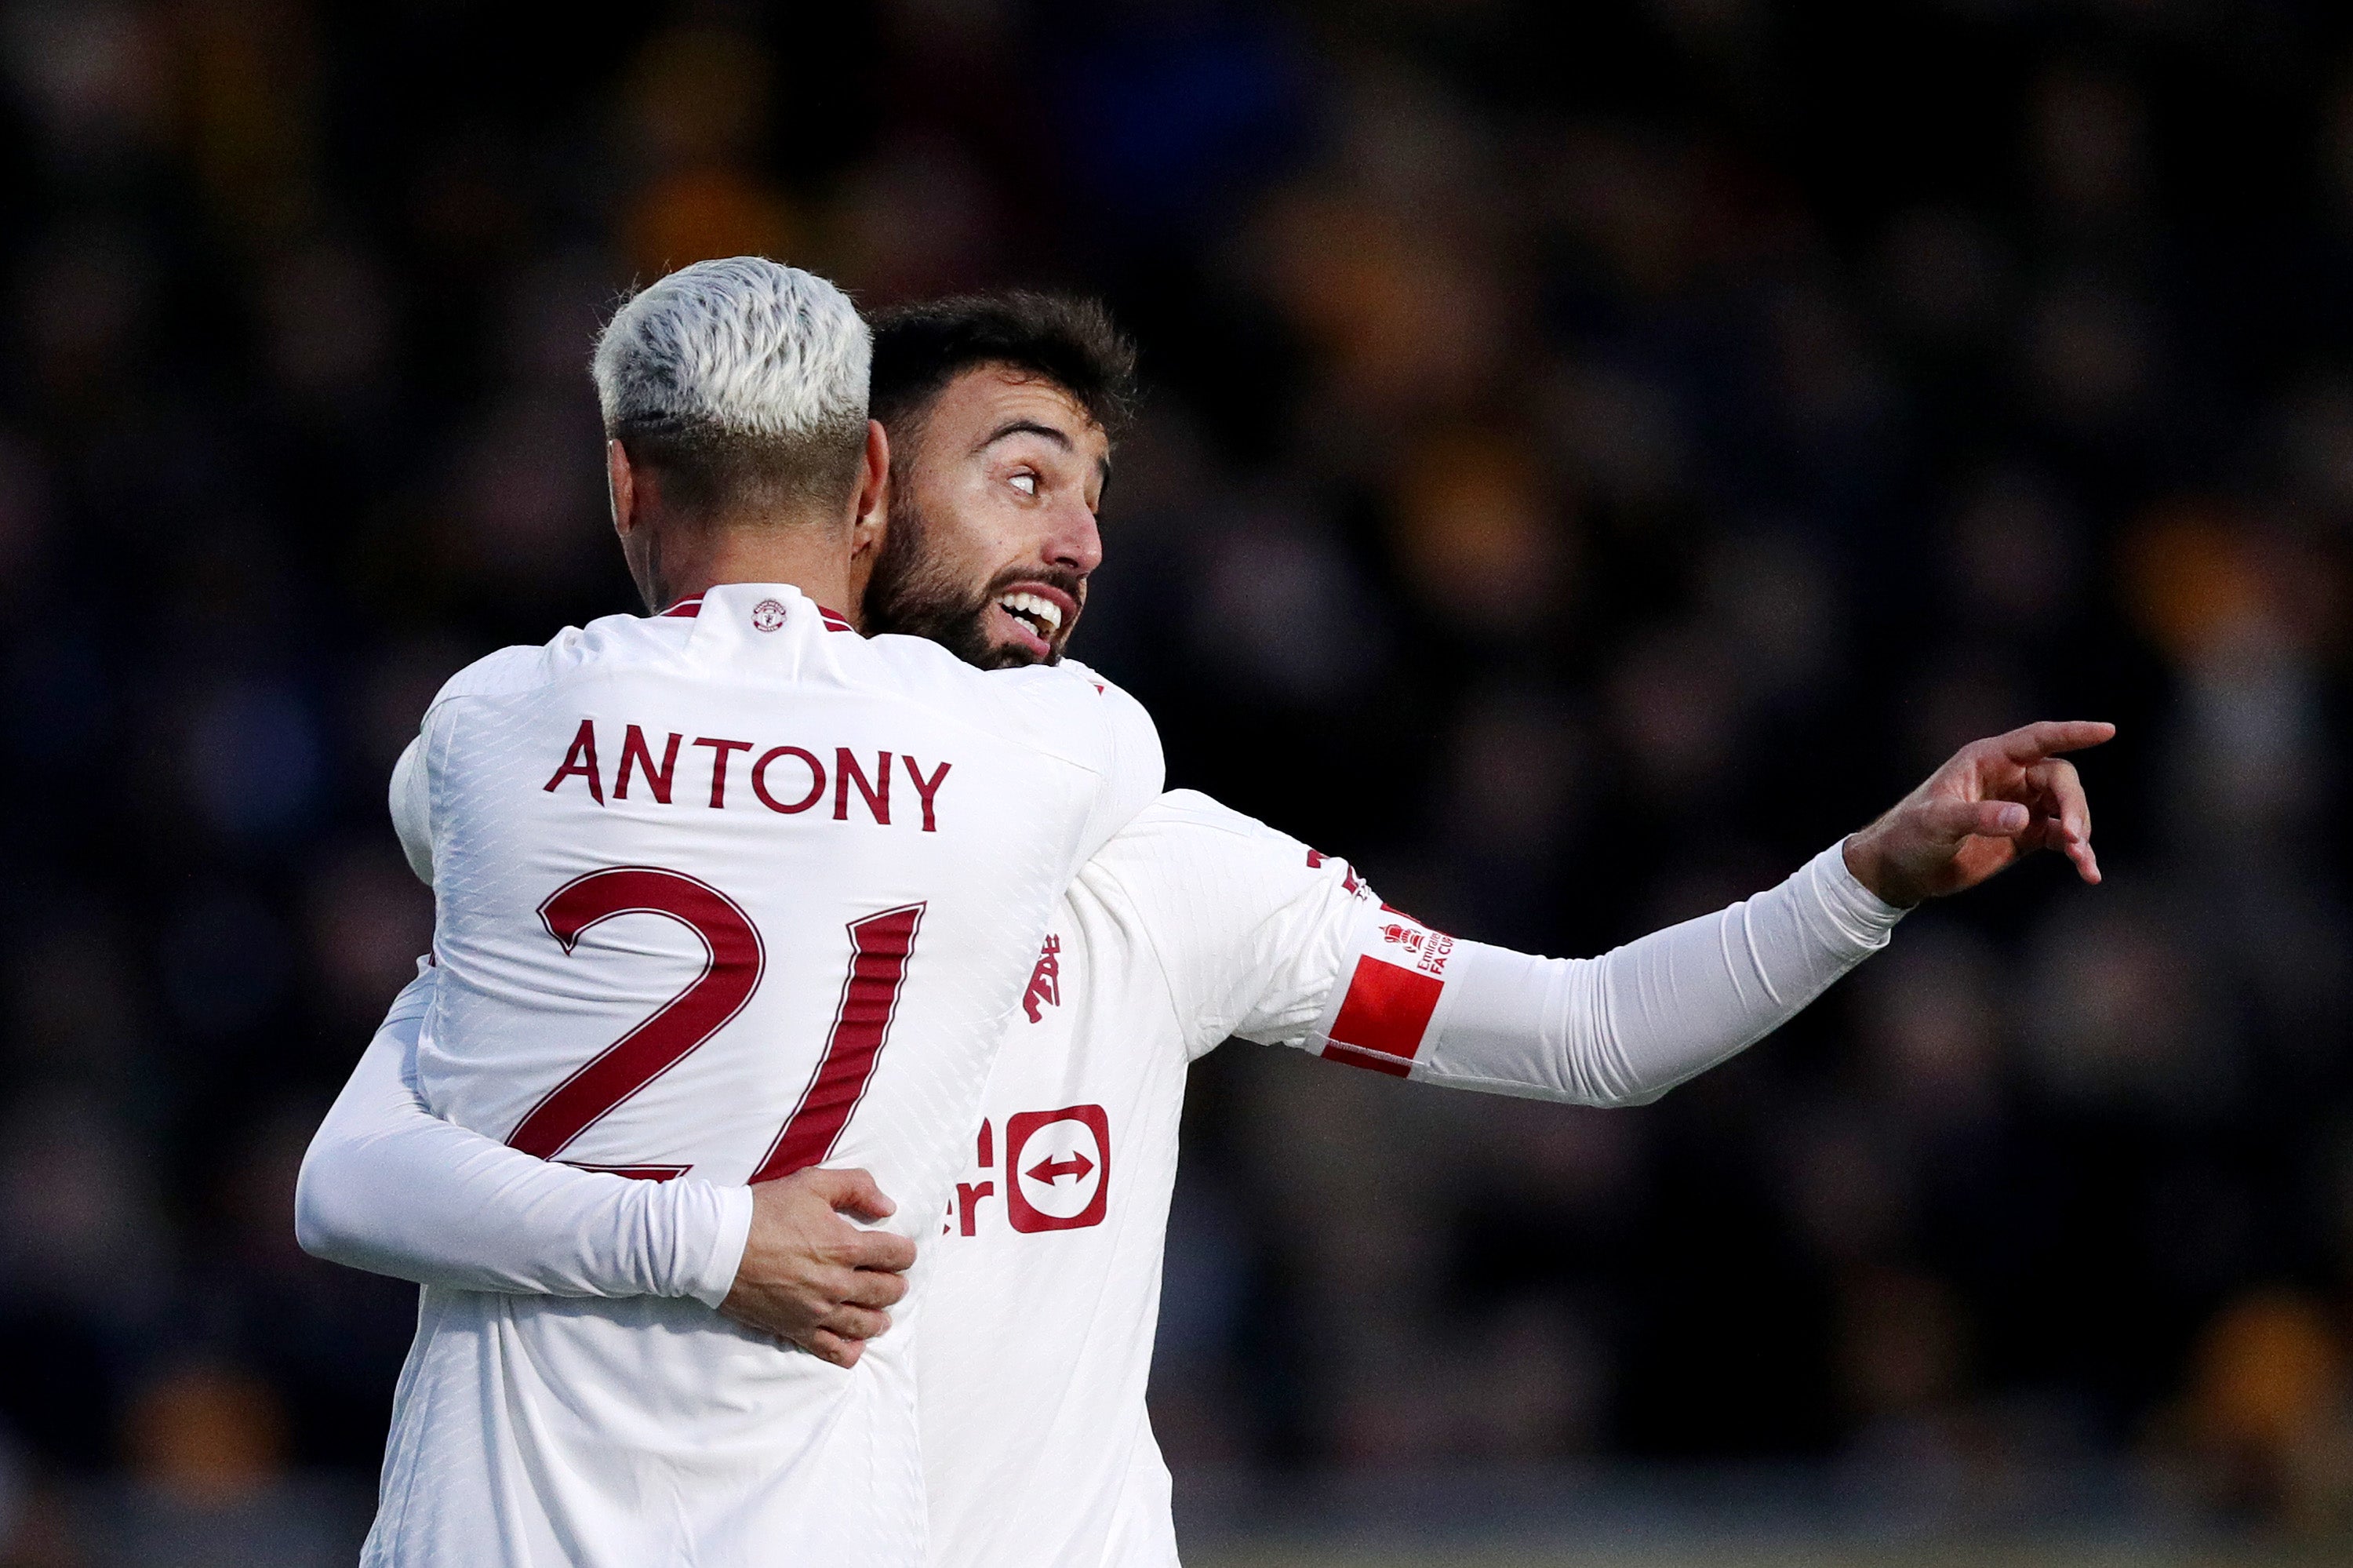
(734, 959)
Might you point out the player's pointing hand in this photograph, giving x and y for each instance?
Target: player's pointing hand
(1996, 801)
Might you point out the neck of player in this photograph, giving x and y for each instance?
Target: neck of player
(675, 557)
(815, 559)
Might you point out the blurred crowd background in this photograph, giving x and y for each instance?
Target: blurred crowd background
(1595, 456)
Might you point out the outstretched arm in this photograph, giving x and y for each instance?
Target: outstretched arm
(390, 1187)
(1624, 1028)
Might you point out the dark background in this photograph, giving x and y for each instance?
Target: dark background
(1595, 456)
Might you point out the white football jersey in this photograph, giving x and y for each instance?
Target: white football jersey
(1043, 1291)
(1043, 1295)
(727, 892)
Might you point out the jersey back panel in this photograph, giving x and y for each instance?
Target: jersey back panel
(731, 893)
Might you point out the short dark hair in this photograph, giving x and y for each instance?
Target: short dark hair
(1068, 340)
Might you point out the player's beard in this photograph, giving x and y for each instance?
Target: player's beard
(917, 593)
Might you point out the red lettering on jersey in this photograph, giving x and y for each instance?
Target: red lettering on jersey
(1045, 980)
(638, 762)
(718, 750)
(1383, 1017)
(968, 1197)
(1088, 1125)
(879, 947)
(582, 760)
(927, 789)
(987, 1149)
(732, 962)
(760, 780)
(846, 770)
(634, 752)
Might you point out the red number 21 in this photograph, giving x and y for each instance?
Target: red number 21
(734, 961)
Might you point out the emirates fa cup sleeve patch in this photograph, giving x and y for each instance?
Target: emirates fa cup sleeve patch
(1393, 993)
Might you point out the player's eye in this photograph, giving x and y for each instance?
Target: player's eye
(1027, 483)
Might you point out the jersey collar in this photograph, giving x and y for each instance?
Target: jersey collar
(690, 607)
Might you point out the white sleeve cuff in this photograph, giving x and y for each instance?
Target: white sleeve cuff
(712, 1232)
(1855, 909)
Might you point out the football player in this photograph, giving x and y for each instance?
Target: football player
(1192, 925)
(721, 893)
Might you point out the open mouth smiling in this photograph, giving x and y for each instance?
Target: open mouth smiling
(1042, 615)
(1033, 616)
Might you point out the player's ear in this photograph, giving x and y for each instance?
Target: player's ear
(620, 488)
(873, 505)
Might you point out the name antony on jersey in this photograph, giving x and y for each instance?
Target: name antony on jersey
(787, 779)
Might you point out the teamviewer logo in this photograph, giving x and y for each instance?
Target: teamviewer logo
(1057, 1168)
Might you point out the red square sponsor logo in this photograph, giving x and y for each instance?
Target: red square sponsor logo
(1387, 1008)
(1057, 1169)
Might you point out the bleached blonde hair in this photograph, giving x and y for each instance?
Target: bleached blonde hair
(744, 381)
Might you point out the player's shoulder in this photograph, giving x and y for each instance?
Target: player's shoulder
(1066, 709)
(1186, 819)
(1230, 910)
(503, 673)
(527, 667)
(1189, 852)
(1129, 725)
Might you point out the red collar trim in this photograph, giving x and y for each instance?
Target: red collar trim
(688, 608)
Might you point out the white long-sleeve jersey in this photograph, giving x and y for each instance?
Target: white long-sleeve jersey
(719, 895)
(1039, 1297)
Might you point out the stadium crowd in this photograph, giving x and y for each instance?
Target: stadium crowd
(1591, 461)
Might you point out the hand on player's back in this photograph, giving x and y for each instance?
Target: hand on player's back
(1995, 802)
(809, 1276)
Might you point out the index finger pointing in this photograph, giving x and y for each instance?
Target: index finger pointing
(2033, 742)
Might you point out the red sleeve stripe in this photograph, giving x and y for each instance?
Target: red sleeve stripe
(1385, 1014)
(1353, 1057)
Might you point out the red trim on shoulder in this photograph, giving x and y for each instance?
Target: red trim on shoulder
(686, 609)
(834, 619)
